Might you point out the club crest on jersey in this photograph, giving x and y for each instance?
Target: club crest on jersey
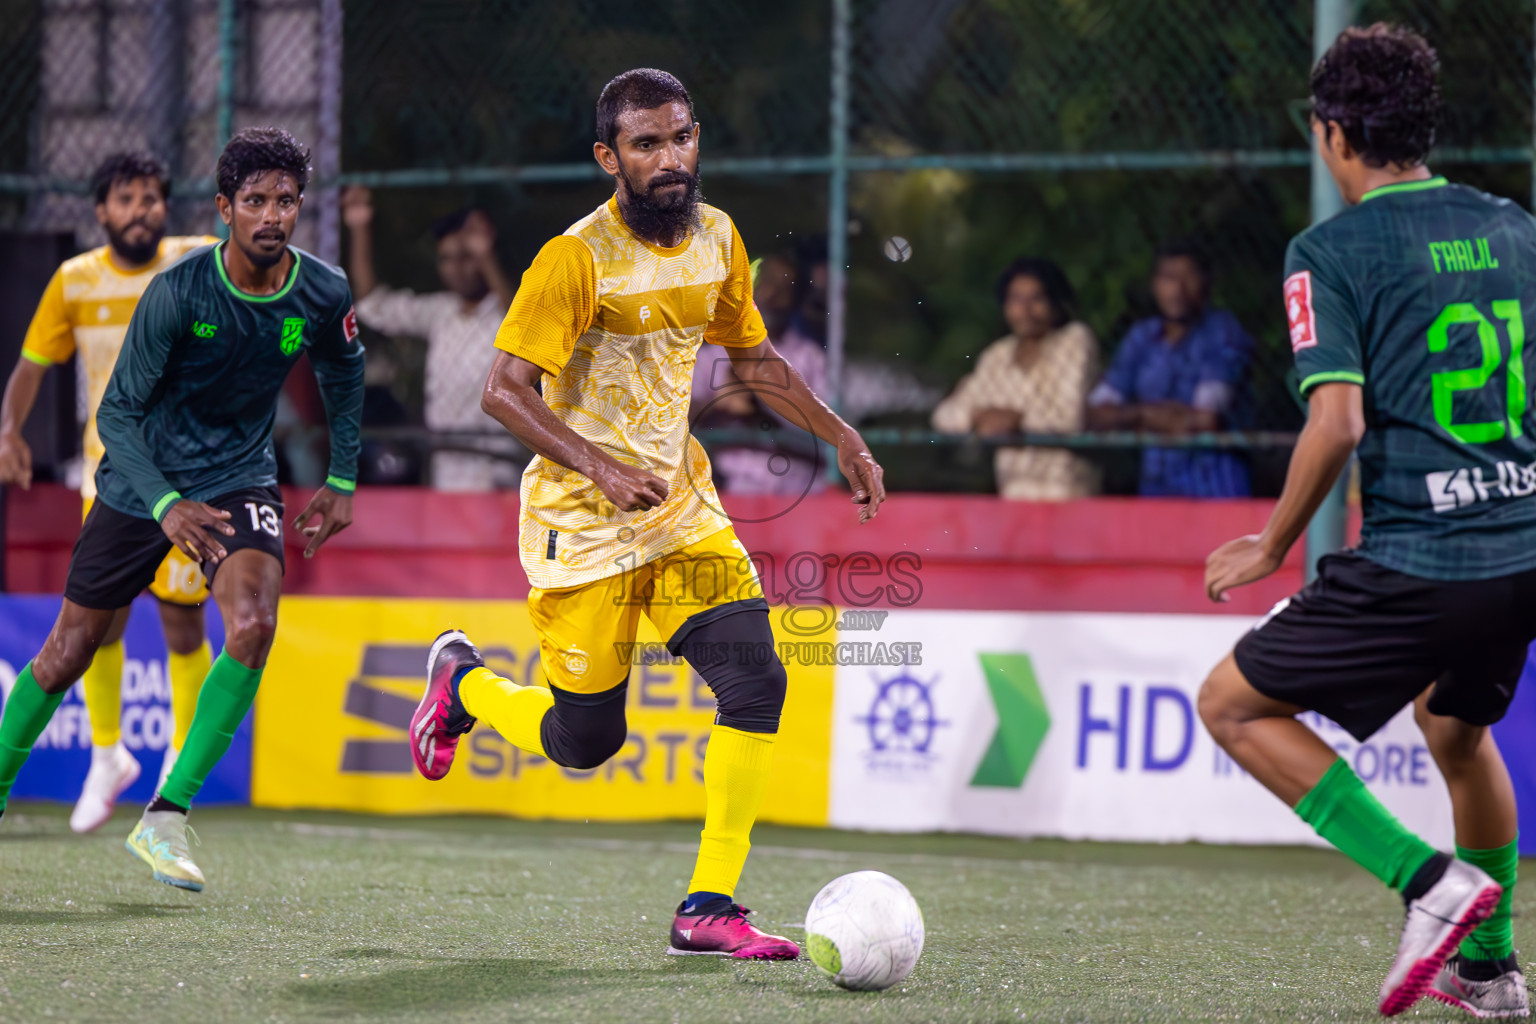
(1298, 310)
(293, 335)
(349, 325)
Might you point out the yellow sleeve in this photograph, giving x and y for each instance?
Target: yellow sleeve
(553, 307)
(736, 323)
(51, 337)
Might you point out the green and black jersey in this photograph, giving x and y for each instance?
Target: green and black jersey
(190, 406)
(1420, 294)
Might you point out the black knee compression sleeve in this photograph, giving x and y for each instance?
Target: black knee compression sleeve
(583, 730)
(735, 655)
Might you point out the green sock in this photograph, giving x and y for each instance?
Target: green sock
(226, 696)
(1494, 939)
(26, 716)
(1341, 810)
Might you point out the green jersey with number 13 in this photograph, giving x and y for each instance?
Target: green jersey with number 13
(1421, 295)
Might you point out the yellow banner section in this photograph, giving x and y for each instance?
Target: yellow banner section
(346, 674)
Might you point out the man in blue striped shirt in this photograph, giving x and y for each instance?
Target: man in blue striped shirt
(1182, 371)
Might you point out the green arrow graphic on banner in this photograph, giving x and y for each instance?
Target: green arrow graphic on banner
(1022, 720)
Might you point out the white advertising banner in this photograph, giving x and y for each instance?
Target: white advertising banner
(1081, 726)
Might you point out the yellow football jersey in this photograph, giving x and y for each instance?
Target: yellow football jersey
(615, 323)
(85, 309)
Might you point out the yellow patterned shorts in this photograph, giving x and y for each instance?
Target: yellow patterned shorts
(587, 632)
(179, 580)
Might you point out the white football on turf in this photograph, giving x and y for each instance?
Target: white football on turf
(864, 930)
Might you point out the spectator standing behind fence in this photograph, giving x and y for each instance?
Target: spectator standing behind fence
(1034, 379)
(788, 464)
(1182, 371)
(458, 325)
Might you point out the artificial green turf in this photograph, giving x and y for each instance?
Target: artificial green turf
(312, 917)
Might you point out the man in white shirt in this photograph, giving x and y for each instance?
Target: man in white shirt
(457, 324)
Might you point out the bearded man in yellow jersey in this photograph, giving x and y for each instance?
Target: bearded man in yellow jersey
(84, 313)
(619, 516)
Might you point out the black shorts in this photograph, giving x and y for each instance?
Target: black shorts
(1361, 641)
(116, 554)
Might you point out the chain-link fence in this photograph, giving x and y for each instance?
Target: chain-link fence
(902, 152)
(80, 79)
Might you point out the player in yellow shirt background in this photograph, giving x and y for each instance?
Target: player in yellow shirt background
(84, 313)
(619, 515)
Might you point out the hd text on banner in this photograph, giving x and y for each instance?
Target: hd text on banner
(335, 705)
(56, 770)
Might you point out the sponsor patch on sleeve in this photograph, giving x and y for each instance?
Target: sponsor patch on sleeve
(1298, 310)
(349, 324)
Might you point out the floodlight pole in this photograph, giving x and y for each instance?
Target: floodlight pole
(1326, 531)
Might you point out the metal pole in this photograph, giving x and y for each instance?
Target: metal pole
(837, 202)
(328, 151)
(1326, 531)
(162, 102)
(225, 126)
(226, 71)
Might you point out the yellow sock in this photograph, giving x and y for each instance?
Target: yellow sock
(736, 766)
(514, 711)
(187, 672)
(103, 686)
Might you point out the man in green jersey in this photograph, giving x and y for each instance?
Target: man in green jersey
(1407, 317)
(187, 426)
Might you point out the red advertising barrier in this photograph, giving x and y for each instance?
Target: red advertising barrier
(923, 550)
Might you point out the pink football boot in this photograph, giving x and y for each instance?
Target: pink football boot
(440, 719)
(721, 928)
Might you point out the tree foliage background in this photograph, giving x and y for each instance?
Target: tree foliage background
(441, 86)
(453, 83)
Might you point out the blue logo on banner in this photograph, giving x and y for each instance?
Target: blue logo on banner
(56, 770)
(902, 722)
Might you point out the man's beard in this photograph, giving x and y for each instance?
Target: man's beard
(661, 218)
(135, 254)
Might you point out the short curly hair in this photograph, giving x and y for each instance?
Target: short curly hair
(254, 151)
(127, 166)
(636, 89)
(1381, 85)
